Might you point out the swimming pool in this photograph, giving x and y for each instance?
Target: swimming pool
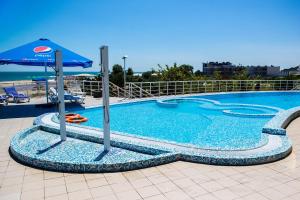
(219, 122)
(221, 129)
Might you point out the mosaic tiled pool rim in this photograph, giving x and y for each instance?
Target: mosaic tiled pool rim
(277, 147)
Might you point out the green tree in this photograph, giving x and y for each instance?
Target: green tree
(198, 73)
(187, 70)
(217, 75)
(175, 72)
(129, 75)
(241, 74)
(117, 75)
(129, 72)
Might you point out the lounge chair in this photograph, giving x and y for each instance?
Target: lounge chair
(53, 96)
(12, 92)
(76, 90)
(3, 100)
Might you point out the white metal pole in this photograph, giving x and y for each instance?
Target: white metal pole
(124, 72)
(105, 97)
(60, 90)
(47, 87)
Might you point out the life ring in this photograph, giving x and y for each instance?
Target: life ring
(78, 119)
(71, 115)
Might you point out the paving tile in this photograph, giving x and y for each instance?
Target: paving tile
(49, 175)
(240, 190)
(121, 187)
(194, 191)
(93, 176)
(33, 186)
(116, 179)
(156, 197)
(272, 194)
(155, 179)
(58, 197)
(255, 196)
(225, 194)
(33, 195)
(33, 178)
(295, 196)
(139, 183)
(11, 196)
(54, 182)
(134, 175)
(107, 197)
(101, 191)
(74, 178)
(208, 196)
(166, 186)
(184, 182)
(97, 182)
(10, 189)
(73, 187)
(212, 186)
(148, 191)
(12, 181)
(131, 194)
(31, 171)
(177, 194)
(56, 190)
(80, 195)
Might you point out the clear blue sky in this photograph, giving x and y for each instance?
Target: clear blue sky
(151, 32)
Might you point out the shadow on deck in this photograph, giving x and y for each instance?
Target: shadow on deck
(33, 110)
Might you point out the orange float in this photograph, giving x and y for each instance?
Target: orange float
(75, 118)
(70, 115)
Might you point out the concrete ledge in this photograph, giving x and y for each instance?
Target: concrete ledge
(277, 124)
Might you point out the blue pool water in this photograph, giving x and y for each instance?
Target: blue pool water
(284, 100)
(199, 123)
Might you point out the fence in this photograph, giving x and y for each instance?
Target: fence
(29, 88)
(162, 88)
(36, 89)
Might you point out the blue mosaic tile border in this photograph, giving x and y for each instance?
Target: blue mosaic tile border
(277, 124)
(278, 147)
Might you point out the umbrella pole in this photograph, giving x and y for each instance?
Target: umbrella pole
(60, 90)
(105, 97)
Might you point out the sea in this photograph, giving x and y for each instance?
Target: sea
(17, 76)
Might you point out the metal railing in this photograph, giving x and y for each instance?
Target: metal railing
(92, 87)
(29, 88)
(165, 88)
(160, 88)
(137, 92)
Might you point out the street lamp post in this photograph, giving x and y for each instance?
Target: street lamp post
(124, 58)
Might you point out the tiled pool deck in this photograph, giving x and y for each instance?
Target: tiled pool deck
(178, 180)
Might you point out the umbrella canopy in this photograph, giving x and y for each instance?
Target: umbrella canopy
(42, 53)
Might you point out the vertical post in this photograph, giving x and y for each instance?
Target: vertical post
(141, 92)
(175, 87)
(47, 87)
(60, 90)
(105, 97)
(124, 71)
(167, 88)
(124, 58)
(83, 88)
(91, 88)
(159, 88)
